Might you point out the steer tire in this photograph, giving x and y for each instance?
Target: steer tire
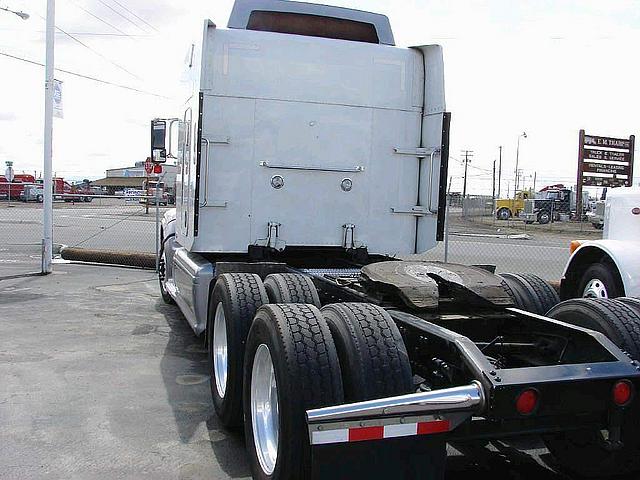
(530, 292)
(601, 280)
(583, 452)
(307, 375)
(503, 214)
(237, 296)
(544, 217)
(291, 288)
(373, 357)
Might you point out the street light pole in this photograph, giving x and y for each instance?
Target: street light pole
(47, 208)
(22, 15)
(515, 188)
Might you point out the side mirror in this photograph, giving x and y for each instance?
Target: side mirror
(158, 141)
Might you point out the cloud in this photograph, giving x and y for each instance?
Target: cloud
(8, 116)
(510, 66)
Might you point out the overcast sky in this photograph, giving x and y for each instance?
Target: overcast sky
(547, 67)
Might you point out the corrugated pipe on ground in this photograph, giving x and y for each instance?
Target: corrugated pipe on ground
(130, 259)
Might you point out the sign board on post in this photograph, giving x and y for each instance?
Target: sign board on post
(148, 166)
(57, 99)
(604, 162)
(8, 174)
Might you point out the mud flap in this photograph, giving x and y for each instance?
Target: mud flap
(409, 458)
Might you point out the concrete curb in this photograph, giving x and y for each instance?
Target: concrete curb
(515, 236)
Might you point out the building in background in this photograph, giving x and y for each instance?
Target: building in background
(120, 179)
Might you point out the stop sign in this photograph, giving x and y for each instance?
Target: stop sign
(148, 166)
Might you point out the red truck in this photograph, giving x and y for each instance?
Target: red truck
(16, 187)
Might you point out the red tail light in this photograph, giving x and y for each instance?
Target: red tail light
(622, 393)
(527, 401)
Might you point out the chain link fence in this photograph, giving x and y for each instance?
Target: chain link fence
(20, 235)
(108, 226)
(476, 236)
(124, 226)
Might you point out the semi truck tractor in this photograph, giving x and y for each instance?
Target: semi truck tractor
(312, 155)
(609, 267)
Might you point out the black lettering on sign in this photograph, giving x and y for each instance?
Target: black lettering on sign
(593, 141)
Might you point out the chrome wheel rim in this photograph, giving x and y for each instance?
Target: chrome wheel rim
(595, 288)
(264, 409)
(220, 359)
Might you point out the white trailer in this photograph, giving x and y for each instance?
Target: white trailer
(312, 152)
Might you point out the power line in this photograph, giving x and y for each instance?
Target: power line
(92, 50)
(99, 54)
(467, 160)
(139, 18)
(98, 18)
(123, 16)
(461, 162)
(96, 34)
(87, 77)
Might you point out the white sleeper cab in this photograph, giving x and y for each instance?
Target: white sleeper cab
(312, 154)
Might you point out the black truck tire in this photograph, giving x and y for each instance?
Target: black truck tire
(544, 217)
(582, 452)
(617, 320)
(291, 288)
(306, 375)
(503, 214)
(373, 357)
(601, 280)
(634, 303)
(530, 292)
(236, 298)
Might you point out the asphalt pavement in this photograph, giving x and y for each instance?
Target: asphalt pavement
(102, 380)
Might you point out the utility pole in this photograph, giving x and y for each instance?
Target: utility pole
(515, 187)
(494, 180)
(519, 173)
(47, 208)
(535, 177)
(500, 171)
(467, 159)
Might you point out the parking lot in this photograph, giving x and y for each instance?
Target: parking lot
(123, 225)
(101, 379)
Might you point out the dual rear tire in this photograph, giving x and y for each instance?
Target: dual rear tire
(530, 292)
(286, 358)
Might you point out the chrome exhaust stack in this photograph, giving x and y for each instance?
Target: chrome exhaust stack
(467, 398)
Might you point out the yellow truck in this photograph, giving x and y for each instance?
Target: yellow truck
(507, 208)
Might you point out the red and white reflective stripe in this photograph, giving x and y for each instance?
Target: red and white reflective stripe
(360, 434)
